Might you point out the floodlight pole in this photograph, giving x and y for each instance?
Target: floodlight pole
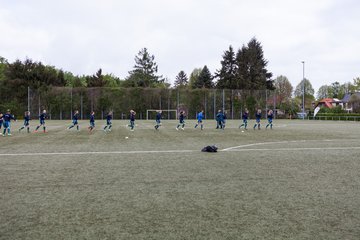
(303, 88)
(28, 108)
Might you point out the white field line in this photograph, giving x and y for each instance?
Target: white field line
(281, 142)
(178, 151)
(94, 153)
(293, 149)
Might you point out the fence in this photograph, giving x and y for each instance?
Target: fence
(336, 118)
(62, 102)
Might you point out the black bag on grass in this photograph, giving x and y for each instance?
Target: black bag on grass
(209, 148)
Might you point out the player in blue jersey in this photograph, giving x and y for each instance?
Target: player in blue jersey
(219, 119)
(224, 119)
(42, 118)
(7, 117)
(92, 122)
(270, 116)
(75, 122)
(132, 120)
(200, 117)
(245, 117)
(26, 122)
(181, 121)
(108, 125)
(158, 119)
(257, 119)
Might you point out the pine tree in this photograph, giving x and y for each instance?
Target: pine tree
(181, 80)
(252, 73)
(96, 80)
(242, 72)
(205, 79)
(145, 70)
(227, 74)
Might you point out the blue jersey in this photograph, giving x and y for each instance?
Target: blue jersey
(108, 119)
(258, 116)
(200, 116)
(92, 118)
(132, 117)
(224, 116)
(7, 117)
(75, 117)
(270, 116)
(245, 116)
(42, 118)
(26, 120)
(158, 116)
(181, 118)
(220, 117)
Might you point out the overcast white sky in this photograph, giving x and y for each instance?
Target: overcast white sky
(83, 35)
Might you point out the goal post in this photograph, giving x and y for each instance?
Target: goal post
(170, 114)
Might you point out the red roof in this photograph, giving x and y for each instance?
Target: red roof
(327, 102)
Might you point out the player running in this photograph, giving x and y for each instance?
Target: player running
(108, 126)
(224, 119)
(200, 117)
(257, 119)
(42, 118)
(132, 120)
(245, 117)
(219, 119)
(270, 116)
(7, 117)
(75, 121)
(92, 122)
(26, 122)
(181, 121)
(158, 119)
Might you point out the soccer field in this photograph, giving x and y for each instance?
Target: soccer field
(300, 180)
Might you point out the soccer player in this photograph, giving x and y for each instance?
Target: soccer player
(92, 121)
(270, 116)
(7, 122)
(257, 119)
(75, 121)
(132, 120)
(158, 119)
(181, 121)
(219, 119)
(108, 122)
(26, 122)
(245, 117)
(200, 117)
(224, 119)
(42, 118)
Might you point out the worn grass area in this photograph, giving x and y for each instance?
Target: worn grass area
(298, 181)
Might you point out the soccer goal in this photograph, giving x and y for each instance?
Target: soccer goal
(166, 114)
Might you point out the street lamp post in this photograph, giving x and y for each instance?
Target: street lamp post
(303, 90)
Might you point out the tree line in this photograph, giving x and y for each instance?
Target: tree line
(242, 69)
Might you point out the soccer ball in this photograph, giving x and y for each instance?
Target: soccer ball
(126, 137)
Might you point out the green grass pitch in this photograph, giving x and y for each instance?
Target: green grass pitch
(300, 180)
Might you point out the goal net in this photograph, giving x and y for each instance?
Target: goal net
(166, 114)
